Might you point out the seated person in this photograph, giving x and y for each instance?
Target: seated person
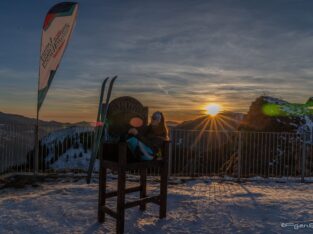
(147, 144)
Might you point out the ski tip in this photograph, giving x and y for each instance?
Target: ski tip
(103, 84)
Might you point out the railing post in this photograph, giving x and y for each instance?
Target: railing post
(303, 158)
(170, 153)
(36, 155)
(170, 159)
(239, 156)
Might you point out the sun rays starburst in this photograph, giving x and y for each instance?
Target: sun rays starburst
(215, 124)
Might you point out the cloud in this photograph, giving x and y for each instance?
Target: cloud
(174, 56)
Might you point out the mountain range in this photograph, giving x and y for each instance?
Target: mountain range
(266, 114)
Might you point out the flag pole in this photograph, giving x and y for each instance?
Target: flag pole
(36, 145)
(36, 156)
(55, 43)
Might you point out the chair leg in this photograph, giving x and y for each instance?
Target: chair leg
(120, 221)
(163, 192)
(143, 187)
(102, 191)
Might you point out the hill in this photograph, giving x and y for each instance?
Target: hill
(270, 114)
(17, 138)
(14, 119)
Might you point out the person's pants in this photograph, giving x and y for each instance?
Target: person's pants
(134, 143)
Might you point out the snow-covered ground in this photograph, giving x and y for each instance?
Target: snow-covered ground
(196, 206)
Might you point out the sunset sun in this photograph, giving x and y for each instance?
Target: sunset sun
(213, 109)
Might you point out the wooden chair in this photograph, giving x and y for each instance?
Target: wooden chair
(116, 157)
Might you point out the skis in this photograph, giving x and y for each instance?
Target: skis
(101, 100)
(101, 123)
(107, 105)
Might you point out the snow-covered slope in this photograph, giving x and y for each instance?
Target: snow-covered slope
(74, 159)
(68, 148)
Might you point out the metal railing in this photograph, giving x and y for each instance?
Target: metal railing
(15, 143)
(195, 153)
(59, 148)
(241, 154)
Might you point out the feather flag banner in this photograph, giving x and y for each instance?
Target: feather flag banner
(56, 32)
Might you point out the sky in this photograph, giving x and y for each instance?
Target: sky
(174, 56)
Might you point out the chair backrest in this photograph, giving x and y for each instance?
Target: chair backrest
(121, 111)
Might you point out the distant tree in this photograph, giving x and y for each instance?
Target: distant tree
(64, 146)
(56, 150)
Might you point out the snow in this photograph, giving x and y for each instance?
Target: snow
(307, 127)
(74, 159)
(274, 100)
(302, 112)
(288, 108)
(196, 206)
